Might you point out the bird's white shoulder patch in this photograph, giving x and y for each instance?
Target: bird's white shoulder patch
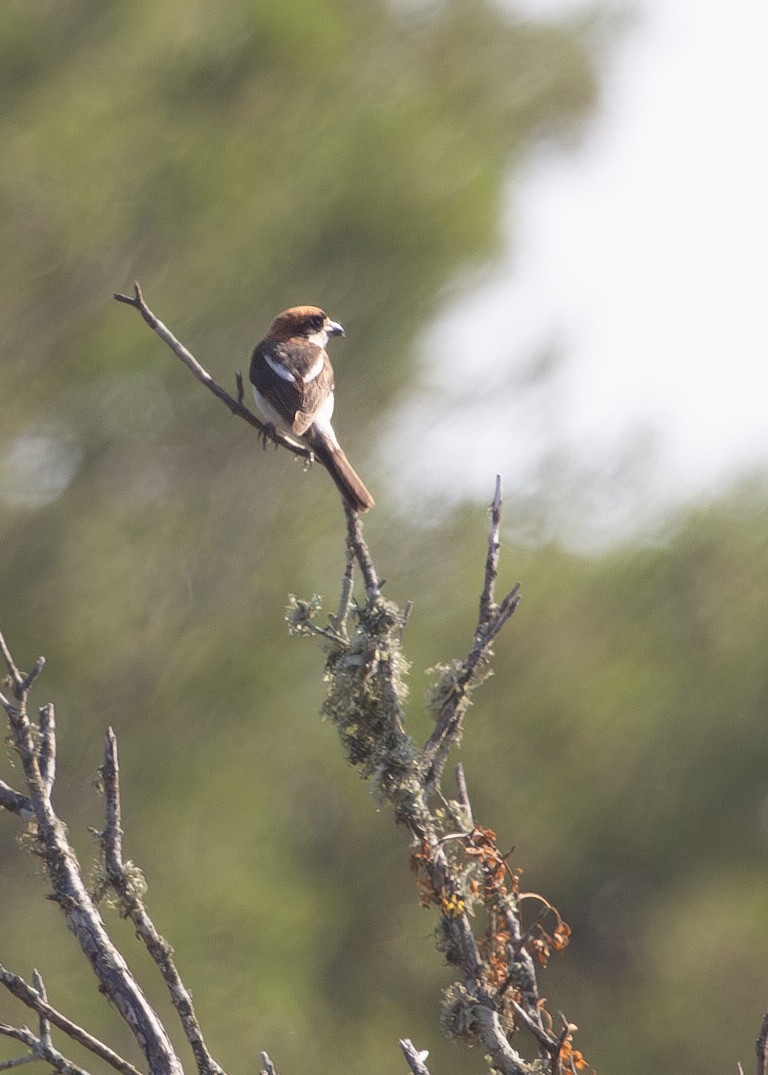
(315, 371)
(280, 370)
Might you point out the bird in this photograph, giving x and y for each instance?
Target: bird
(293, 385)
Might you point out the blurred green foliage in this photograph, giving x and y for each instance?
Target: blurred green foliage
(236, 159)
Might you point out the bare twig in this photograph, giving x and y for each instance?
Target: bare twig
(491, 619)
(44, 1022)
(534, 1027)
(35, 999)
(339, 621)
(356, 543)
(20, 682)
(28, 1058)
(31, 676)
(414, 1057)
(236, 406)
(123, 878)
(40, 1050)
(566, 1034)
(492, 559)
(267, 1067)
(47, 757)
(16, 802)
(462, 793)
(69, 890)
(17, 677)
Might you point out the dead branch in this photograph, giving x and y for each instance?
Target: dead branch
(236, 406)
(128, 884)
(267, 1067)
(36, 750)
(414, 1057)
(356, 542)
(39, 1049)
(460, 679)
(15, 802)
(36, 999)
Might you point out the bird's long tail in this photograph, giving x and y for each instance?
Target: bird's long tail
(348, 481)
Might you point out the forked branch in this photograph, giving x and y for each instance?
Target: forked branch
(35, 745)
(35, 998)
(453, 694)
(128, 883)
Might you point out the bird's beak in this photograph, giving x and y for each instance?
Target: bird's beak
(333, 328)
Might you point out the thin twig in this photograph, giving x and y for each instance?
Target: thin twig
(236, 406)
(462, 792)
(267, 1067)
(339, 621)
(69, 891)
(565, 1035)
(113, 834)
(21, 683)
(28, 1058)
(16, 802)
(39, 1050)
(357, 544)
(414, 1057)
(16, 676)
(542, 1037)
(492, 559)
(47, 752)
(133, 906)
(31, 676)
(491, 619)
(44, 1022)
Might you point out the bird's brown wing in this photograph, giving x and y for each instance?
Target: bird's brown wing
(297, 400)
(313, 395)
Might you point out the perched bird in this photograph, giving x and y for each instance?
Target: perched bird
(292, 380)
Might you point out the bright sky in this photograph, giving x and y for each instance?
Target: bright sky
(641, 259)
